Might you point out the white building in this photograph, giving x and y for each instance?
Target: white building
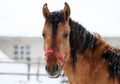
(21, 48)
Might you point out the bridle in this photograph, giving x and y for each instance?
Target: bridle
(57, 54)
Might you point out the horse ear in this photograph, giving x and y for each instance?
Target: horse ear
(66, 11)
(46, 12)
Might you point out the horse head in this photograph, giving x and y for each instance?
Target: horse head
(56, 32)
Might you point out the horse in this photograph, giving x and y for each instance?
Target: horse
(84, 56)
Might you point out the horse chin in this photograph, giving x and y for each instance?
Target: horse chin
(54, 75)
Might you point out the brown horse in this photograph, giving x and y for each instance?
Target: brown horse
(84, 57)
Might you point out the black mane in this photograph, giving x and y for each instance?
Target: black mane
(55, 18)
(113, 58)
(80, 40)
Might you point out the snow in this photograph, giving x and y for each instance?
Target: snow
(22, 68)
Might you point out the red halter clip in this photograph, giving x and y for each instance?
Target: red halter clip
(56, 53)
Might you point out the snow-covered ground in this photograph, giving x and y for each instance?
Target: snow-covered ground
(22, 68)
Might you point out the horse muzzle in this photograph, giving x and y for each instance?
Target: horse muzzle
(53, 72)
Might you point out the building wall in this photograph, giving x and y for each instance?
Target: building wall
(7, 45)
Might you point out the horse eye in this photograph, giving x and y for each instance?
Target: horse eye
(43, 35)
(66, 35)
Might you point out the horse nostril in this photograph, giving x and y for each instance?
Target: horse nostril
(53, 69)
(46, 67)
(56, 68)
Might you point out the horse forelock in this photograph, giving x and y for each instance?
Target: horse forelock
(54, 19)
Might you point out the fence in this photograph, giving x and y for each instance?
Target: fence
(28, 64)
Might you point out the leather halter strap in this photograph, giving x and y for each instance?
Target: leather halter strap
(58, 55)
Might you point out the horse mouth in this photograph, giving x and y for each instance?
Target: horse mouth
(54, 75)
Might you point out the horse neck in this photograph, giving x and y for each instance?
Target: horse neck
(84, 54)
(89, 58)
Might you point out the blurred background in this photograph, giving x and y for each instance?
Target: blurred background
(21, 43)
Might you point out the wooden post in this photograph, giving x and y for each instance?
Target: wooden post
(28, 59)
(38, 69)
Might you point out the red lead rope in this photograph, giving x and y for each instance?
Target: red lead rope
(56, 53)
